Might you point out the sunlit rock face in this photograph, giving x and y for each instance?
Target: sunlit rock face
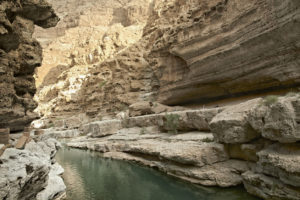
(206, 50)
(31, 173)
(188, 52)
(20, 54)
(81, 71)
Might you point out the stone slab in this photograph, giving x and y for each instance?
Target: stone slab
(21, 142)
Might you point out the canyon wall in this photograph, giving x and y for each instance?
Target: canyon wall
(188, 52)
(20, 54)
(206, 50)
(81, 71)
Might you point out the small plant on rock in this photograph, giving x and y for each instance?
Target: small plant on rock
(270, 100)
(51, 125)
(123, 107)
(100, 117)
(172, 122)
(208, 140)
(125, 122)
(143, 131)
(291, 94)
(102, 84)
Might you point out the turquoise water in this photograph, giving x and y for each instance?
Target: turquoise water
(90, 177)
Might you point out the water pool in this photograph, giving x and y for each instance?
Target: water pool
(88, 176)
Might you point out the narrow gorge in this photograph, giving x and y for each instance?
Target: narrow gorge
(95, 93)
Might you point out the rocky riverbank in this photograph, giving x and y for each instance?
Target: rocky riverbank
(29, 171)
(254, 143)
(27, 166)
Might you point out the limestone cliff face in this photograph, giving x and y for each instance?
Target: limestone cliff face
(83, 26)
(188, 52)
(20, 54)
(85, 13)
(84, 68)
(206, 50)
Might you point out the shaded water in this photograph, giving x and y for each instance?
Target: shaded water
(90, 177)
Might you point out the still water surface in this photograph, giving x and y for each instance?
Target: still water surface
(90, 177)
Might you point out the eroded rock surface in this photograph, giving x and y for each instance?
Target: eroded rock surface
(212, 147)
(268, 187)
(20, 54)
(81, 71)
(205, 50)
(31, 173)
(188, 52)
(190, 156)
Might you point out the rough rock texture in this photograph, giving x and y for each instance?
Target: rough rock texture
(247, 121)
(232, 126)
(191, 155)
(102, 128)
(276, 174)
(205, 50)
(189, 52)
(71, 122)
(84, 13)
(281, 121)
(281, 161)
(26, 173)
(74, 77)
(148, 107)
(55, 185)
(269, 188)
(52, 133)
(20, 54)
(212, 147)
(23, 174)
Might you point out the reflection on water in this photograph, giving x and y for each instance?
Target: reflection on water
(90, 177)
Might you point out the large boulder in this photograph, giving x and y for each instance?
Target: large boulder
(147, 107)
(48, 147)
(23, 174)
(102, 128)
(269, 188)
(247, 151)
(31, 173)
(186, 120)
(274, 118)
(53, 133)
(55, 186)
(281, 161)
(232, 124)
(181, 152)
(140, 108)
(279, 121)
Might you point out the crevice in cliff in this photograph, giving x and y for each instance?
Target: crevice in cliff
(9, 42)
(282, 89)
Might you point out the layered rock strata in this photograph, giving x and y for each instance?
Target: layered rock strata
(207, 50)
(81, 72)
(241, 144)
(188, 52)
(20, 54)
